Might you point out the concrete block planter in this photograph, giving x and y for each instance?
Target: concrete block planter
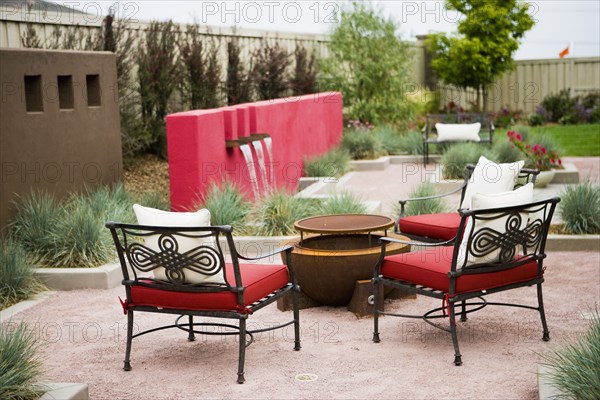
(104, 277)
(545, 389)
(66, 391)
(569, 174)
(379, 164)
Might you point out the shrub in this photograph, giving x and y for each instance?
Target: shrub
(35, 218)
(334, 163)
(506, 118)
(239, 82)
(344, 203)
(429, 206)
(504, 152)
(305, 73)
(575, 369)
(72, 235)
(595, 117)
(412, 143)
(580, 208)
(535, 119)
(226, 204)
(158, 75)
(558, 105)
(278, 211)
(455, 159)
(390, 139)
(202, 70)
(269, 72)
(361, 144)
(369, 64)
(20, 367)
(17, 279)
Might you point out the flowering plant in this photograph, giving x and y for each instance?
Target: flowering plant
(538, 157)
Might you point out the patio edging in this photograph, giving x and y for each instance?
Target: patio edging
(66, 391)
(546, 391)
(109, 276)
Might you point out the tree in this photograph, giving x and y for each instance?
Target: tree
(369, 64)
(238, 79)
(202, 70)
(158, 75)
(269, 73)
(305, 74)
(483, 49)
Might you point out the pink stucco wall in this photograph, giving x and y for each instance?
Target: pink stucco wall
(299, 127)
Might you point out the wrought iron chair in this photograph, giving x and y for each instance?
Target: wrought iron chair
(458, 277)
(430, 134)
(155, 277)
(443, 227)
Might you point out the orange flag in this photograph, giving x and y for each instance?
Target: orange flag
(563, 53)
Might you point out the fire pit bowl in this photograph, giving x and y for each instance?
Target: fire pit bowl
(328, 266)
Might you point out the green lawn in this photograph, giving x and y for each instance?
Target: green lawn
(573, 140)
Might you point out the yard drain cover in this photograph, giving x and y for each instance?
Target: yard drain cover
(306, 377)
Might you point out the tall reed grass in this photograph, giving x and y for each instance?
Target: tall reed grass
(20, 365)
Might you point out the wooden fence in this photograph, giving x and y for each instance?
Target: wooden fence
(522, 89)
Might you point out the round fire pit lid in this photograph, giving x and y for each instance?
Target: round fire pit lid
(344, 223)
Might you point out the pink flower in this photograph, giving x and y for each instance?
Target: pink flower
(510, 133)
(559, 161)
(519, 137)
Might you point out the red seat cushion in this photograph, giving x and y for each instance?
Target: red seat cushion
(430, 268)
(259, 281)
(436, 226)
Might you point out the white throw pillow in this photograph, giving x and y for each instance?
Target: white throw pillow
(153, 217)
(489, 177)
(522, 195)
(453, 132)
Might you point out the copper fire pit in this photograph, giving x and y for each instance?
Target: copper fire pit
(328, 265)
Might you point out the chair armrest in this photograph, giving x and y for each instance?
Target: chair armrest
(278, 250)
(435, 196)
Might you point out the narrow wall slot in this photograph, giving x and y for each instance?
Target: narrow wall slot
(93, 90)
(65, 92)
(33, 93)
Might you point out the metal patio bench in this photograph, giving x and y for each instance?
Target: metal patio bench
(431, 134)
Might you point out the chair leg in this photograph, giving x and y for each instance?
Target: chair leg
(127, 363)
(191, 335)
(242, 355)
(463, 311)
(296, 305)
(457, 356)
(546, 335)
(376, 284)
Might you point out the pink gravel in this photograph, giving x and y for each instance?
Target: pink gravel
(82, 335)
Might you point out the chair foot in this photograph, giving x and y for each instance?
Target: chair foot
(191, 337)
(463, 318)
(297, 346)
(376, 338)
(458, 361)
(546, 336)
(127, 366)
(241, 378)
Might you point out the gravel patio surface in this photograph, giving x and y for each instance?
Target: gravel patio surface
(83, 340)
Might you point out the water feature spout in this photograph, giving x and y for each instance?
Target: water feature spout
(261, 164)
(247, 152)
(269, 145)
